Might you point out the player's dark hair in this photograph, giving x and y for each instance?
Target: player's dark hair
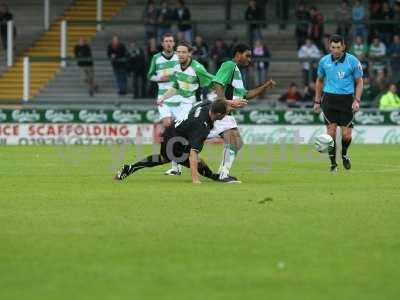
(219, 106)
(166, 35)
(241, 48)
(335, 38)
(185, 44)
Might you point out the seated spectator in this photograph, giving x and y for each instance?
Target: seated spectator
(377, 53)
(381, 80)
(303, 21)
(150, 14)
(309, 92)
(292, 96)
(396, 18)
(369, 93)
(117, 54)
(343, 18)
(5, 16)
(360, 49)
(260, 52)
(358, 17)
(309, 54)
(386, 29)
(394, 54)
(164, 18)
(390, 100)
(137, 66)
(219, 53)
(182, 15)
(254, 14)
(83, 55)
(316, 29)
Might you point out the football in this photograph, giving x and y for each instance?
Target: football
(324, 143)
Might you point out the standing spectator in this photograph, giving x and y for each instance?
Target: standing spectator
(360, 49)
(117, 54)
(390, 100)
(83, 55)
(152, 49)
(150, 14)
(316, 28)
(358, 17)
(303, 20)
(309, 54)
(137, 66)
(386, 30)
(394, 54)
(292, 96)
(375, 7)
(182, 15)
(377, 53)
(260, 52)
(282, 12)
(165, 18)
(5, 16)
(343, 18)
(254, 14)
(219, 53)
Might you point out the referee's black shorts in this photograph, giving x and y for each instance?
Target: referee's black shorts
(336, 109)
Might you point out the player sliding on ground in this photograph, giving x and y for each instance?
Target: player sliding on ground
(183, 141)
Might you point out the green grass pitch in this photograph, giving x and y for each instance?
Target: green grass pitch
(291, 230)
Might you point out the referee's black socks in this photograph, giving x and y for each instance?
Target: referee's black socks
(332, 154)
(345, 146)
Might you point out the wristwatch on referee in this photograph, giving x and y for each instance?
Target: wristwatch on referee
(317, 101)
(357, 99)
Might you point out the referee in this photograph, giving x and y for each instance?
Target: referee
(338, 92)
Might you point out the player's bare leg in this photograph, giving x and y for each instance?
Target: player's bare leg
(176, 169)
(346, 141)
(233, 143)
(331, 130)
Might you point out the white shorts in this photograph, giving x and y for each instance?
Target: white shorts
(228, 122)
(175, 112)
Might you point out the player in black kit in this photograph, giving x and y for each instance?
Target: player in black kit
(183, 141)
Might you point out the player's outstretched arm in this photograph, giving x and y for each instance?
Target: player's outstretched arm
(194, 163)
(168, 94)
(261, 89)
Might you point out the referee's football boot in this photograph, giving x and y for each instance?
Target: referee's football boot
(123, 173)
(346, 162)
(333, 168)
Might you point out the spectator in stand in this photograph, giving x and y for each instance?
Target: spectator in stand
(375, 8)
(381, 81)
(343, 18)
(316, 28)
(309, 92)
(394, 54)
(292, 96)
(309, 55)
(201, 54)
(182, 15)
(396, 17)
(137, 66)
(303, 20)
(117, 54)
(360, 49)
(386, 30)
(377, 53)
(261, 53)
(152, 49)
(219, 53)
(390, 100)
(282, 11)
(150, 15)
(369, 93)
(180, 37)
(83, 55)
(358, 17)
(165, 18)
(5, 16)
(326, 49)
(254, 14)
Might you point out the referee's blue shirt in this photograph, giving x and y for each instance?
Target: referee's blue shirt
(339, 75)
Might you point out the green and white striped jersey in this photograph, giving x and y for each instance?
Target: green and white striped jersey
(160, 66)
(230, 77)
(187, 81)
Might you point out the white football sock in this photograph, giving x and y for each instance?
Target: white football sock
(228, 158)
(177, 167)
